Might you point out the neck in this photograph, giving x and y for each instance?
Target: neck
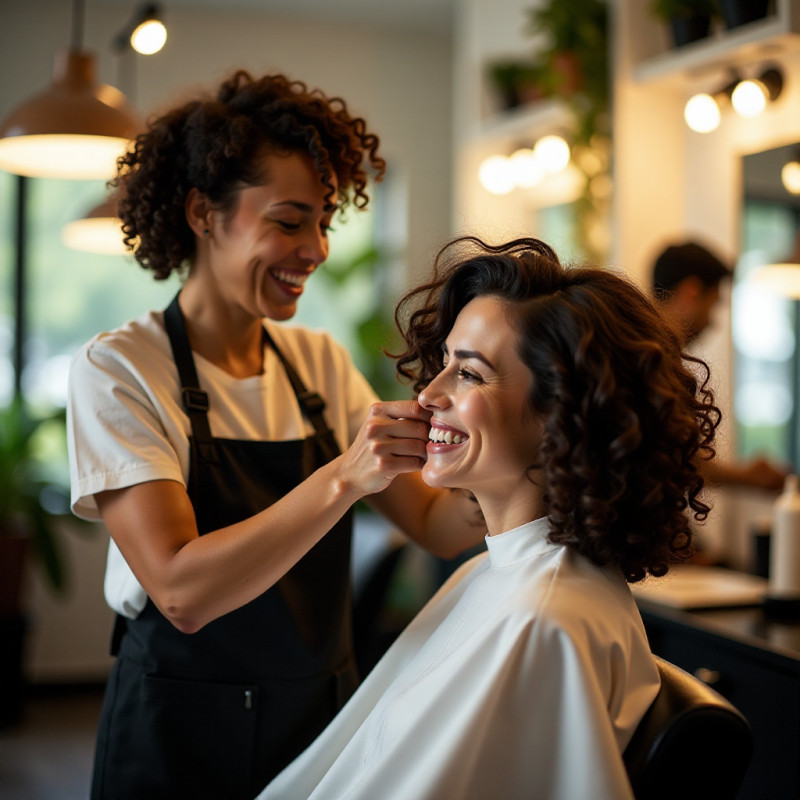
(222, 334)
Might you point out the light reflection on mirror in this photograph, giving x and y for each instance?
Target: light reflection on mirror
(765, 324)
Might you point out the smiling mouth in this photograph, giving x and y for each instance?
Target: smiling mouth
(446, 436)
(290, 277)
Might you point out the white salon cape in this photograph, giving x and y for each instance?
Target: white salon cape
(524, 677)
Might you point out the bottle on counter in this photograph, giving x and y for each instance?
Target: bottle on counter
(783, 591)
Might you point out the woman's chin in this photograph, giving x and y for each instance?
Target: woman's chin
(437, 480)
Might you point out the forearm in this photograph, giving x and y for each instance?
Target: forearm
(195, 579)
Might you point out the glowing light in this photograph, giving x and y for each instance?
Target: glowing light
(525, 168)
(149, 37)
(496, 175)
(552, 152)
(749, 98)
(790, 177)
(702, 113)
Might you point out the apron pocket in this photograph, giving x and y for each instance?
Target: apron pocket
(200, 738)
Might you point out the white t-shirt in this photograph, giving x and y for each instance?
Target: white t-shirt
(126, 423)
(524, 677)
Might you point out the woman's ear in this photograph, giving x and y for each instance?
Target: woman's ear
(198, 213)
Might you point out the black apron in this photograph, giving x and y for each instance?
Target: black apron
(216, 714)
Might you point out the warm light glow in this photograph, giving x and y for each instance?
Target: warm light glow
(702, 113)
(495, 175)
(552, 152)
(525, 168)
(62, 155)
(790, 177)
(101, 235)
(149, 37)
(781, 278)
(749, 98)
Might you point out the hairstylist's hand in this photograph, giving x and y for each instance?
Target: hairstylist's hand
(391, 441)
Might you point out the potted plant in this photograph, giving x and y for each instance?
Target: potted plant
(30, 506)
(689, 20)
(575, 50)
(516, 82)
(739, 12)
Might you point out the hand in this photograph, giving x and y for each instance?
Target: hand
(391, 441)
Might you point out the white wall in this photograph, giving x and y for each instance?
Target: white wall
(399, 81)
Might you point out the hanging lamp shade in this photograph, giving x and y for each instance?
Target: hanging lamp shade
(99, 231)
(76, 129)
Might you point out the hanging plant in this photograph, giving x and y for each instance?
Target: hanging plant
(573, 62)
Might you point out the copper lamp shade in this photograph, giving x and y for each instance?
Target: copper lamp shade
(76, 129)
(99, 231)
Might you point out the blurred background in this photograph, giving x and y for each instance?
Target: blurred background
(563, 119)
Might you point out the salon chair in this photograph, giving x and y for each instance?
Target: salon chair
(692, 743)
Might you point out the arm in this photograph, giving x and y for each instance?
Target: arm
(194, 579)
(757, 473)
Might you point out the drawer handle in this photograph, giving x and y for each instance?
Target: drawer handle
(710, 677)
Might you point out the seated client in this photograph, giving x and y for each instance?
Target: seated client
(562, 402)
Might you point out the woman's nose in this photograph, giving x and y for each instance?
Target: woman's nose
(314, 247)
(434, 394)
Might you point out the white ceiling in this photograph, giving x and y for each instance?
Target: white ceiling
(430, 15)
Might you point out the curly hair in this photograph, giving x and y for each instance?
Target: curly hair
(217, 144)
(624, 417)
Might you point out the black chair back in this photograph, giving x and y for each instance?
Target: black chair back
(691, 743)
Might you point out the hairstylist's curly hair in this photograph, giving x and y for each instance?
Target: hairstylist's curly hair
(624, 419)
(217, 144)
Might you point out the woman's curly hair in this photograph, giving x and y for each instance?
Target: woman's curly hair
(217, 145)
(625, 420)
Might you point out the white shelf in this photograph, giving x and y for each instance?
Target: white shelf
(525, 122)
(758, 41)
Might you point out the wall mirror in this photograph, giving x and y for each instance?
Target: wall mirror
(765, 323)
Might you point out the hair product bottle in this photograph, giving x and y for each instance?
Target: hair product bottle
(783, 593)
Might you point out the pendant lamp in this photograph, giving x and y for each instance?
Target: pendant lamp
(76, 129)
(98, 231)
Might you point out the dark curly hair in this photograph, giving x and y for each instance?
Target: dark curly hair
(217, 144)
(624, 418)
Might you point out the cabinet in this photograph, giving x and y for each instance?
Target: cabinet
(755, 663)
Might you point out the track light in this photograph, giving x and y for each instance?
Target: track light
(748, 97)
(145, 33)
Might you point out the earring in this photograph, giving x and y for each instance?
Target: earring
(205, 232)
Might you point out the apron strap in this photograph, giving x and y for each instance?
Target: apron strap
(311, 403)
(195, 400)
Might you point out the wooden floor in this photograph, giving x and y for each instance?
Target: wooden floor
(48, 754)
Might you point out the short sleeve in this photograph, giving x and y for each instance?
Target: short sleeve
(115, 436)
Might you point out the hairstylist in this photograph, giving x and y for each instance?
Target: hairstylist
(223, 452)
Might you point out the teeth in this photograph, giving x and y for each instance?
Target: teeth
(441, 436)
(292, 278)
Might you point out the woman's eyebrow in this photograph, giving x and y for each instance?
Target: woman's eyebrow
(462, 354)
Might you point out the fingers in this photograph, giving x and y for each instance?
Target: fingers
(401, 409)
(402, 426)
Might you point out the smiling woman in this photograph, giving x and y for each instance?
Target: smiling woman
(223, 450)
(561, 401)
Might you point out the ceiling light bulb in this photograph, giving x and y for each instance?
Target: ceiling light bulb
(525, 168)
(149, 37)
(790, 177)
(552, 152)
(749, 98)
(495, 175)
(702, 113)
